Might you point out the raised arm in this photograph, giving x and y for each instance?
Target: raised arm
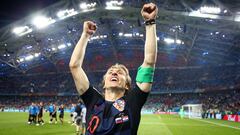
(149, 13)
(79, 76)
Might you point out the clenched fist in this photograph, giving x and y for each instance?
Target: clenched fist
(149, 11)
(89, 27)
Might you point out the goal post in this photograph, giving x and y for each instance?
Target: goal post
(192, 110)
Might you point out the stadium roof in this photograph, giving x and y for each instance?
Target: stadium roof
(190, 33)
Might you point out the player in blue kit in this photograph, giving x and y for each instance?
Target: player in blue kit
(32, 112)
(52, 113)
(72, 113)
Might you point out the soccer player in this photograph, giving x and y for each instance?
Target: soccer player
(37, 110)
(181, 113)
(61, 113)
(72, 113)
(51, 110)
(118, 110)
(83, 115)
(52, 113)
(40, 114)
(78, 118)
(31, 111)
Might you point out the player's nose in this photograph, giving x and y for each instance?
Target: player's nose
(114, 74)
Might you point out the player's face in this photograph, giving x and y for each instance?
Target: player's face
(115, 77)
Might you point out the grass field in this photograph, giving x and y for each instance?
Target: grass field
(16, 124)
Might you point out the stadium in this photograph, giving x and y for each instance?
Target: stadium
(196, 86)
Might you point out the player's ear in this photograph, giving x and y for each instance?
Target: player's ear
(126, 86)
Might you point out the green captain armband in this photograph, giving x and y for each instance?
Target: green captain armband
(145, 75)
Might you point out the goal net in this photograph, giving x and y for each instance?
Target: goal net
(192, 110)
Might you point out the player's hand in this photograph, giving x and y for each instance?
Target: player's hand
(149, 11)
(89, 27)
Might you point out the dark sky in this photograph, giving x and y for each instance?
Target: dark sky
(12, 10)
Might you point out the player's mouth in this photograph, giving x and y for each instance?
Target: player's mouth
(114, 79)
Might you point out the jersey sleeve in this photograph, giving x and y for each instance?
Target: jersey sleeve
(137, 98)
(90, 97)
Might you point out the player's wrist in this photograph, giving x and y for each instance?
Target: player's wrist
(150, 22)
(85, 34)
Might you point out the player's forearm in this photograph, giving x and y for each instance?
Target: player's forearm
(150, 50)
(79, 51)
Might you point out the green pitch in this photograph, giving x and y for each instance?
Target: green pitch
(16, 124)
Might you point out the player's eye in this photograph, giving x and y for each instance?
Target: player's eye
(120, 72)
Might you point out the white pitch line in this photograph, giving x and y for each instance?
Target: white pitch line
(165, 126)
(223, 125)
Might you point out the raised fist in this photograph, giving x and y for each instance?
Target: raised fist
(149, 11)
(89, 27)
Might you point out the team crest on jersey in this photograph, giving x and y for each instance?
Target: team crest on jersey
(119, 104)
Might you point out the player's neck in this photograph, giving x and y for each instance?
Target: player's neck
(112, 94)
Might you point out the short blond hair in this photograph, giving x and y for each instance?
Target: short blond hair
(120, 66)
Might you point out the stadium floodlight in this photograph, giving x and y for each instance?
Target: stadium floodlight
(205, 53)
(203, 15)
(87, 7)
(237, 18)
(114, 5)
(210, 10)
(62, 46)
(120, 34)
(37, 55)
(66, 13)
(60, 14)
(178, 41)
(20, 31)
(20, 60)
(95, 37)
(171, 41)
(137, 34)
(42, 21)
(69, 44)
(128, 35)
(29, 57)
(29, 47)
(83, 6)
(98, 37)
